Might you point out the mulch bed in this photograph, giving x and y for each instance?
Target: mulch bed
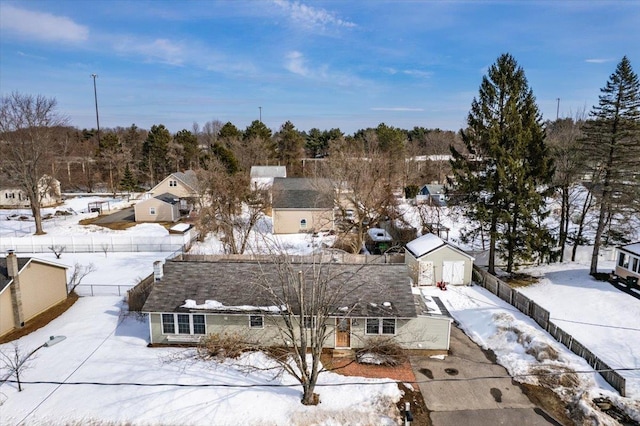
(348, 367)
(40, 320)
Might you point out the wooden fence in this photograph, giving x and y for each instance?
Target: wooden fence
(542, 317)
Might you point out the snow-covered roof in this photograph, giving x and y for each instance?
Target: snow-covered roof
(425, 244)
(268, 171)
(633, 248)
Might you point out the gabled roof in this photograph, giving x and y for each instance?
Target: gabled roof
(268, 171)
(302, 193)
(633, 248)
(234, 286)
(5, 280)
(428, 243)
(189, 178)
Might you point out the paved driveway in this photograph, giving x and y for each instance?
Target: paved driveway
(124, 215)
(473, 400)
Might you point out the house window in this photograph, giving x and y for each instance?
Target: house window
(303, 224)
(173, 183)
(256, 321)
(168, 324)
(186, 324)
(636, 261)
(309, 322)
(198, 324)
(380, 326)
(152, 210)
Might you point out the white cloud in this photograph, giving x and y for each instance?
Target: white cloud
(295, 63)
(161, 50)
(41, 26)
(418, 73)
(312, 17)
(398, 109)
(597, 60)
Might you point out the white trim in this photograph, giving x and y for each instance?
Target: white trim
(176, 327)
(380, 327)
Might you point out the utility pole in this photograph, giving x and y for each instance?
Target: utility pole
(558, 109)
(260, 108)
(95, 96)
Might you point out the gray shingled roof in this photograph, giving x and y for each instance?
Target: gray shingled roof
(4, 274)
(188, 177)
(367, 287)
(302, 193)
(168, 198)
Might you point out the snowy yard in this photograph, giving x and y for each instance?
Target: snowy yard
(105, 346)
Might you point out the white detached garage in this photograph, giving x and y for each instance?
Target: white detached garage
(431, 260)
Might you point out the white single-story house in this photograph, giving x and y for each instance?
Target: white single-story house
(628, 260)
(262, 176)
(302, 205)
(161, 208)
(48, 187)
(191, 299)
(28, 287)
(432, 260)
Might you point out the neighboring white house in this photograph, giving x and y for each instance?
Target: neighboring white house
(628, 260)
(262, 176)
(431, 260)
(49, 188)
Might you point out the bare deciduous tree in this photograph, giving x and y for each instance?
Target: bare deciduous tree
(233, 208)
(57, 250)
(314, 299)
(26, 126)
(14, 362)
(78, 273)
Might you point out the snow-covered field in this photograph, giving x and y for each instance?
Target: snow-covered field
(105, 346)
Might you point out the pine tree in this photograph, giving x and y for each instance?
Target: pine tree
(502, 183)
(128, 182)
(154, 153)
(612, 141)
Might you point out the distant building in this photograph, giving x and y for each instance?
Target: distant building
(48, 187)
(302, 205)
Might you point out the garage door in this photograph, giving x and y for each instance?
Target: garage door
(453, 272)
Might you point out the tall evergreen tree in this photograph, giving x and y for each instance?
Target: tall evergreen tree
(287, 148)
(503, 182)
(190, 150)
(154, 153)
(612, 141)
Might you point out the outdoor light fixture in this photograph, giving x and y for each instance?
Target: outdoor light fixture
(54, 340)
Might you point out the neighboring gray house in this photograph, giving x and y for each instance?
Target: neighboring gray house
(432, 260)
(262, 176)
(302, 205)
(433, 194)
(192, 299)
(161, 208)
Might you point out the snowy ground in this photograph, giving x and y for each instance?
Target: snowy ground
(104, 346)
(108, 349)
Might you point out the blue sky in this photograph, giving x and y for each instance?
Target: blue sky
(324, 64)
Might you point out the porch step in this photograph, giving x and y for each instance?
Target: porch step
(343, 353)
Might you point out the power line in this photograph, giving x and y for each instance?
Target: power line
(280, 385)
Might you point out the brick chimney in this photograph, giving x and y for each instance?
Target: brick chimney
(16, 294)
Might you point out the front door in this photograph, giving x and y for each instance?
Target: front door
(343, 333)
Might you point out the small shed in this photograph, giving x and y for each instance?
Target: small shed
(161, 208)
(378, 240)
(431, 260)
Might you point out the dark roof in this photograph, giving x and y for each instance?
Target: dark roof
(363, 289)
(4, 274)
(302, 193)
(168, 198)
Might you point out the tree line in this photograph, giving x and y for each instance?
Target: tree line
(507, 163)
